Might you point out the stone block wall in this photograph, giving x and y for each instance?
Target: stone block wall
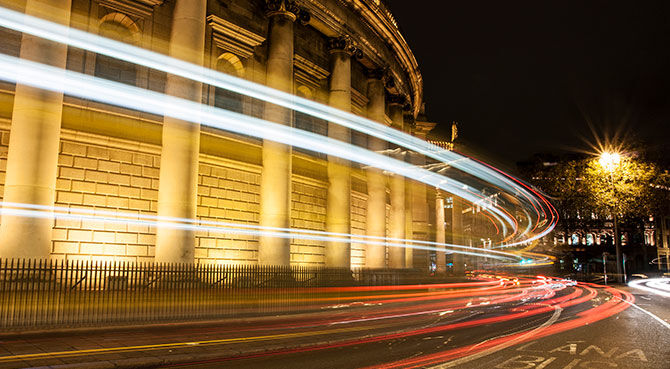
(358, 225)
(111, 178)
(96, 172)
(227, 193)
(308, 211)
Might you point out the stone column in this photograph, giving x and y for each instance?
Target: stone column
(275, 188)
(457, 233)
(397, 186)
(421, 227)
(32, 159)
(440, 233)
(338, 204)
(177, 190)
(409, 208)
(375, 255)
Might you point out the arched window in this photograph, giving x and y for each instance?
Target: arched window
(301, 120)
(307, 122)
(118, 27)
(230, 64)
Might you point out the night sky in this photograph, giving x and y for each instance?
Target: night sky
(523, 77)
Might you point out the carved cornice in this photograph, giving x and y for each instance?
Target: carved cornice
(327, 22)
(344, 44)
(384, 24)
(139, 8)
(230, 37)
(381, 74)
(358, 102)
(398, 100)
(307, 72)
(288, 9)
(423, 128)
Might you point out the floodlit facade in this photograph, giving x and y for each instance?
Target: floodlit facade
(74, 153)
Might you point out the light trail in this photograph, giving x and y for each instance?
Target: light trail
(589, 316)
(294, 232)
(48, 212)
(385, 319)
(94, 43)
(395, 320)
(657, 286)
(592, 314)
(50, 78)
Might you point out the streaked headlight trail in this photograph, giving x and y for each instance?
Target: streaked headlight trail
(72, 83)
(228, 228)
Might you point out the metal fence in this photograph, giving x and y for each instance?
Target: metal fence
(45, 293)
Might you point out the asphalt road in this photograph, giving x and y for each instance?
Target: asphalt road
(532, 323)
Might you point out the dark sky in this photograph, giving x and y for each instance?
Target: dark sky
(523, 77)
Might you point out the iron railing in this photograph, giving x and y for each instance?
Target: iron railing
(48, 293)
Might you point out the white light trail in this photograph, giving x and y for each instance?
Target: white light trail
(97, 44)
(115, 93)
(355, 238)
(658, 286)
(227, 228)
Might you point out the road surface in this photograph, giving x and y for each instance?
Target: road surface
(494, 322)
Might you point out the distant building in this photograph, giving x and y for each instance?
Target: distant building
(583, 237)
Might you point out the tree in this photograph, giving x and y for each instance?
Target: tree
(634, 189)
(562, 180)
(580, 186)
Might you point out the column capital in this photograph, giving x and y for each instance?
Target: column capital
(381, 74)
(287, 9)
(398, 100)
(344, 44)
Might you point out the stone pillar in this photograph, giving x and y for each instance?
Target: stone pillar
(409, 209)
(177, 190)
(440, 233)
(338, 204)
(32, 159)
(421, 227)
(275, 188)
(457, 233)
(397, 185)
(375, 255)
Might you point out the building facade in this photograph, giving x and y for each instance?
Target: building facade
(69, 152)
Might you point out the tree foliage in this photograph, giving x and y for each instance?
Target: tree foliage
(631, 189)
(562, 181)
(580, 187)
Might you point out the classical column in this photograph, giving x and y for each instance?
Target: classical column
(375, 255)
(338, 204)
(440, 233)
(275, 189)
(409, 206)
(177, 190)
(457, 237)
(397, 185)
(421, 228)
(32, 159)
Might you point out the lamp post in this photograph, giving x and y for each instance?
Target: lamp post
(610, 162)
(605, 266)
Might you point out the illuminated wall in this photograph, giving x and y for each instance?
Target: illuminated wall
(109, 157)
(100, 172)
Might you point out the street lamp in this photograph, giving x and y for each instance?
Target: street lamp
(610, 161)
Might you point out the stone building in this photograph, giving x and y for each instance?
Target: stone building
(71, 152)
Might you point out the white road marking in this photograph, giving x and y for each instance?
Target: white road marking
(450, 364)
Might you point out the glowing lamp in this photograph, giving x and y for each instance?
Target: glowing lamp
(609, 160)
